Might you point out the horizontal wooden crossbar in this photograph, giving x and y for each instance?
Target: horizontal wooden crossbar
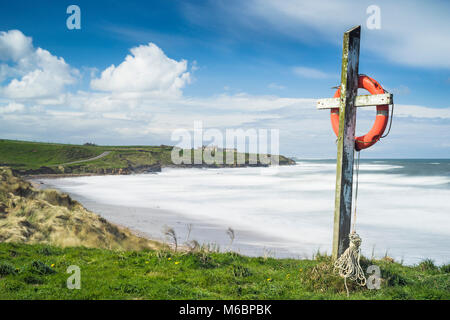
(360, 101)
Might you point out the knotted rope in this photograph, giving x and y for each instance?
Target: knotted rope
(348, 263)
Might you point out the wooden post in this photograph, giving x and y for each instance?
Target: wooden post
(346, 141)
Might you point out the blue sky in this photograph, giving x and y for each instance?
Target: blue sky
(231, 64)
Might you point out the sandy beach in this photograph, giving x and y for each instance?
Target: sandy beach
(286, 214)
(151, 222)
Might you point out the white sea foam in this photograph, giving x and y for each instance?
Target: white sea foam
(406, 216)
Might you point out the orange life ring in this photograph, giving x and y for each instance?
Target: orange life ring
(381, 120)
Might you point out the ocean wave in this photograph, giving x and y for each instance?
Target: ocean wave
(395, 211)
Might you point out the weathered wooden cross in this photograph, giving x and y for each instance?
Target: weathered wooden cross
(347, 103)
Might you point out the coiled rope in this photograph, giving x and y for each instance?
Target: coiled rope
(348, 265)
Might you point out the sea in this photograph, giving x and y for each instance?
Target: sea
(402, 209)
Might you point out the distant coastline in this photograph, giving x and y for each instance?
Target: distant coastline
(38, 159)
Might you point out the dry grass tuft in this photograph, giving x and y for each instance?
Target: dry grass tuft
(28, 215)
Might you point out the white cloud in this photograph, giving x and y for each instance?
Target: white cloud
(421, 112)
(147, 70)
(147, 116)
(145, 109)
(310, 73)
(35, 72)
(14, 45)
(245, 103)
(303, 129)
(400, 90)
(412, 32)
(12, 107)
(116, 115)
(65, 114)
(275, 86)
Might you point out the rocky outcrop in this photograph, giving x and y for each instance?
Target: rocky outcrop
(41, 170)
(144, 168)
(63, 171)
(133, 165)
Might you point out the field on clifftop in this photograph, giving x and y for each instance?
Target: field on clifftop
(28, 158)
(45, 158)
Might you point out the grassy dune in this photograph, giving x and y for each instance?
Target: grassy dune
(28, 215)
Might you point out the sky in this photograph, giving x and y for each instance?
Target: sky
(136, 71)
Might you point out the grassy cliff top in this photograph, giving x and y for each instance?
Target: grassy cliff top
(46, 158)
(39, 272)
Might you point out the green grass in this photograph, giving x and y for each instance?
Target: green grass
(39, 272)
(32, 155)
(28, 157)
